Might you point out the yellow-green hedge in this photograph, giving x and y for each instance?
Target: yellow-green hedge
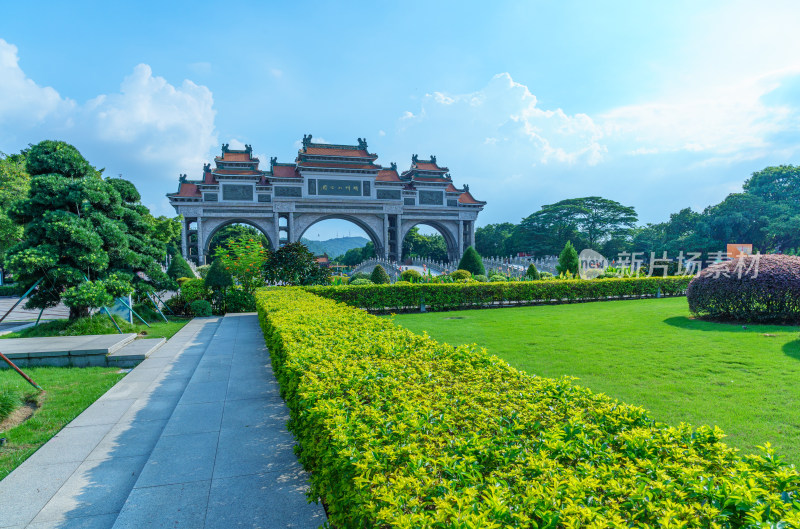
(401, 431)
(447, 296)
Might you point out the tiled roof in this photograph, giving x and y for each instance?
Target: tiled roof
(427, 166)
(188, 190)
(387, 175)
(451, 189)
(235, 157)
(324, 151)
(208, 178)
(467, 198)
(430, 179)
(335, 165)
(236, 172)
(284, 171)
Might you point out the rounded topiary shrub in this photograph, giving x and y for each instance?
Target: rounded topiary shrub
(480, 278)
(201, 308)
(361, 281)
(461, 274)
(498, 278)
(412, 276)
(757, 288)
(379, 276)
(358, 275)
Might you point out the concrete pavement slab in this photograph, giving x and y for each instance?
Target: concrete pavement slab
(167, 507)
(195, 418)
(26, 490)
(102, 521)
(180, 459)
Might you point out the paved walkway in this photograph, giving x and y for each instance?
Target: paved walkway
(194, 437)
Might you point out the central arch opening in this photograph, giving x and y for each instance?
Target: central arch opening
(425, 241)
(233, 230)
(343, 242)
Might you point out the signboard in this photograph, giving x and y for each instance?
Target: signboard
(593, 264)
(736, 250)
(347, 188)
(238, 192)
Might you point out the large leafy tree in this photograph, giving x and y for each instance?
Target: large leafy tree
(415, 244)
(495, 239)
(244, 258)
(89, 237)
(236, 231)
(14, 185)
(354, 256)
(546, 231)
(293, 264)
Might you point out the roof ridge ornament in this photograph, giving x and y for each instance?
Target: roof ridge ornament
(183, 178)
(433, 159)
(225, 147)
(414, 158)
(362, 144)
(393, 166)
(273, 160)
(306, 141)
(207, 168)
(248, 149)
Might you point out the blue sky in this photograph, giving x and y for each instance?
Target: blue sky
(658, 105)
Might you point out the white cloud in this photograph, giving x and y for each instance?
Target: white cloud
(381, 133)
(508, 111)
(275, 72)
(150, 131)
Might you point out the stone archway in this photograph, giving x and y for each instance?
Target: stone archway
(447, 229)
(214, 225)
(372, 225)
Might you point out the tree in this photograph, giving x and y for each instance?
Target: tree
(472, 262)
(546, 231)
(293, 264)
(532, 272)
(244, 258)
(355, 256)
(14, 185)
(218, 280)
(80, 228)
(495, 239)
(179, 267)
(568, 262)
(432, 247)
(235, 231)
(379, 276)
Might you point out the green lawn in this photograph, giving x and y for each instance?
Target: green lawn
(101, 324)
(68, 391)
(650, 353)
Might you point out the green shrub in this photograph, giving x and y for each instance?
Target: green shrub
(395, 298)
(568, 262)
(201, 308)
(401, 283)
(412, 276)
(361, 281)
(202, 271)
(147, 311)
(239, 301)
(358, 275)
(532, 272)
(177, 305)
(194, 289)
(480, 278)
(10, 290)
(545, 275)
(179, 268)
(498, 279)
(472, 262)
(398, 430)
(461, 274)
(379, 276)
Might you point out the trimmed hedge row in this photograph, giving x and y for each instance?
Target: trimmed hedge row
(448, 296)
(398, 430)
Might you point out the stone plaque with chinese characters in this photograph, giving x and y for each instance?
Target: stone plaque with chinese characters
(431, 198)
(339, 187)
(237, 192)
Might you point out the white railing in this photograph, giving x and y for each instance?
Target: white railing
(514, 266)
(392, 268)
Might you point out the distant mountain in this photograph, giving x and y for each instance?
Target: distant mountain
(334, 247)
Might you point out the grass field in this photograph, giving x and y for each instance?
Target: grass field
(101, 324)
(650, 353)
(68, 391)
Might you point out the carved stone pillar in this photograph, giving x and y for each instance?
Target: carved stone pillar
(201, 257)
(185, 238)
(460, 239)
(386, 236)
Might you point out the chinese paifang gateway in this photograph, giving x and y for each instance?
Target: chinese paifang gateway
(324, 182)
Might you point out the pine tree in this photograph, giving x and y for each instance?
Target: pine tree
(217, 277)
(379, 276)
(179, 268)
(568, 263)
(472, 262)
(532, 272)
